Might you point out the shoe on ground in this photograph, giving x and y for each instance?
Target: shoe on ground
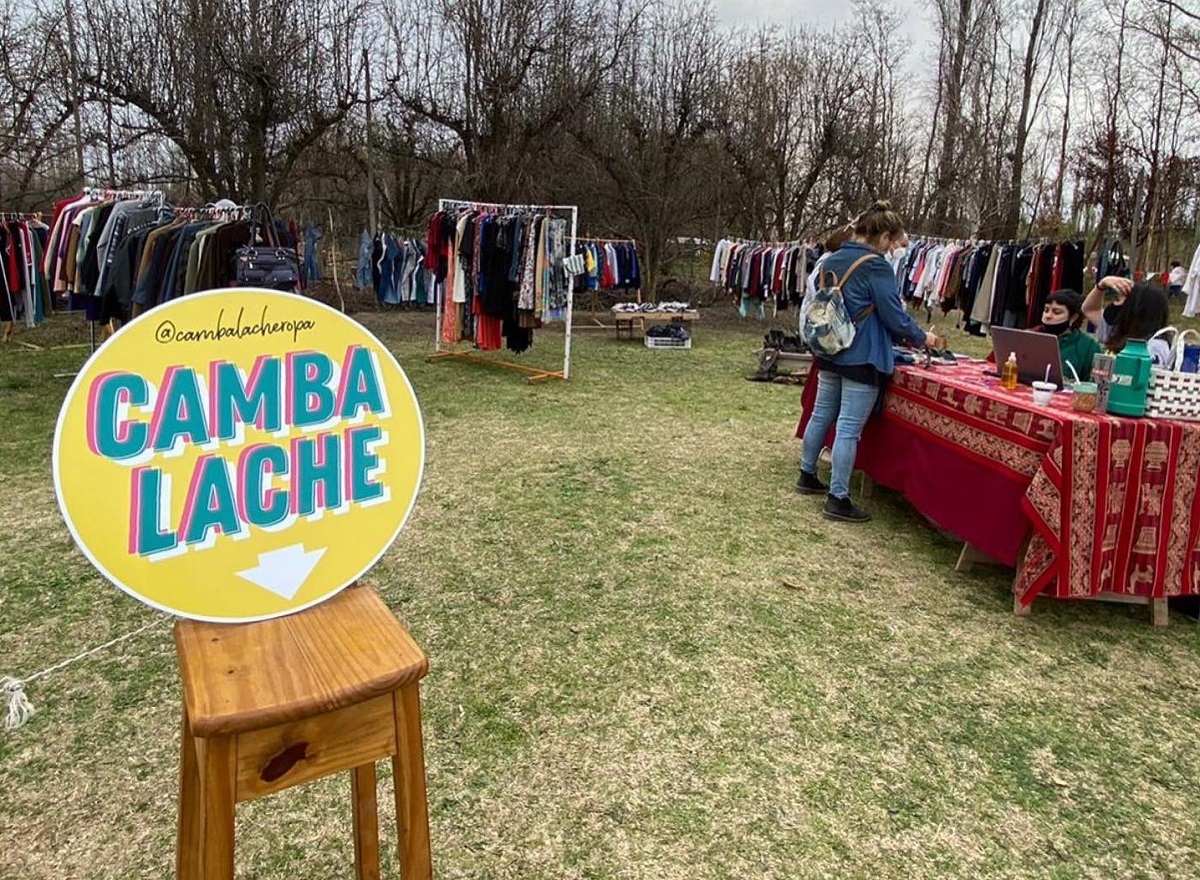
(808, 484)
(842, 510)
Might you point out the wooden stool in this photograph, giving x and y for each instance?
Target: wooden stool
(272, 704)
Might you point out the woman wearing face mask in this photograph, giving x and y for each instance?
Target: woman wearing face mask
(1062, 316)
(850, 382)
(1104, 315)
(1144, 312)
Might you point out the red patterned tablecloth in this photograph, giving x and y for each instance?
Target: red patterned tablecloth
(1111, 502)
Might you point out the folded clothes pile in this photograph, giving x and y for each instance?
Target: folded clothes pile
(652, 307)
(668, 331)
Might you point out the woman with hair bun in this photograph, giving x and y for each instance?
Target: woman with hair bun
(850, 382)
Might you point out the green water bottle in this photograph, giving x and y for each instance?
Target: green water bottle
(1130, 380)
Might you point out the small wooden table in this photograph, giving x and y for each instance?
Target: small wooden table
(624, 319)
(280, 702)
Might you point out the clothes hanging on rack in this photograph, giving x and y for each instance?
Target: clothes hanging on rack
(500, 274)
(151, 254)
(1191, 287)
(312, 266)
(610, 264)
(24, 294)
(363, 272)
(84, 239)
(1111, 259)
(394, 267)
(1003, 283)
(757, 273)
(86, 236)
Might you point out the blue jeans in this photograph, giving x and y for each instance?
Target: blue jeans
(849, 404)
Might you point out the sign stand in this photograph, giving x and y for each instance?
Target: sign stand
(238, 458)
(349, 699)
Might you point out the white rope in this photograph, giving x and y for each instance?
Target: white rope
(20, 710)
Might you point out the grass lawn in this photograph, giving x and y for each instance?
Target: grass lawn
(650, 659)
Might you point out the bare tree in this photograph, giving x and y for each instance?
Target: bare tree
(650, 130)
(1070, 32)
(505, 77)
(957, 24)
(36, 104)
(242, 102)
(1041, 43)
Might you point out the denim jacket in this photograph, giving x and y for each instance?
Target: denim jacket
(872, 282)
(363, 277)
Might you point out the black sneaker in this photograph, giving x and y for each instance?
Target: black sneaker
(808, 484)
(843, 510)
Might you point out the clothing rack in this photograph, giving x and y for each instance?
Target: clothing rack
(98, 193)
(502, 208)
(590, 240)
(757, 241)
(7, 326)
(594, 295)
(206, 211)
(150, 195)
(536, 374)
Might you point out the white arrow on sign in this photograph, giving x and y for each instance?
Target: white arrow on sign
(283, 571)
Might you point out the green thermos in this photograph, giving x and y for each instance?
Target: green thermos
(1130, 380)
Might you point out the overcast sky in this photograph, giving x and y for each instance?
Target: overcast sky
(914, 18)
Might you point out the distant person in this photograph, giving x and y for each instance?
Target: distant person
(830, 242)
(850, 382)
(1175, 280)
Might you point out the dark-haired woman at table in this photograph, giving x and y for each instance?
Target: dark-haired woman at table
(1062, 316)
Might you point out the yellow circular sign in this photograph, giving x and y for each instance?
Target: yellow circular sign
(238, 454)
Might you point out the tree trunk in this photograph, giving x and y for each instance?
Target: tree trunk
(1111, 135)
(1071, 24)
(1012, 215)
(947, 170)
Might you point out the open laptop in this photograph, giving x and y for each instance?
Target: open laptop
(1035, 352)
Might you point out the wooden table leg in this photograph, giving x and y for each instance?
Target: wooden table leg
(868, 486)
(1160, 614)
(1020, 610)
(218, 782)
(408, 771)
(366, 822)
(970, 557)
(188, 829)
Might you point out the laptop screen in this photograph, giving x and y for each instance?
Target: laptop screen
(1036, 353)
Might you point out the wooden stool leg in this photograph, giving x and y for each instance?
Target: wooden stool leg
(187, 836)
(408, 770)
(366, 822)
(217, 786)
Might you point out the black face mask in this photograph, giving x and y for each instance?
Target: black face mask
(1057, 329)
(1112, 311)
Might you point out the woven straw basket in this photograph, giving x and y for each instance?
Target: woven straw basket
(1174, 394)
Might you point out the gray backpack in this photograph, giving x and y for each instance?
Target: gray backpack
(825, 323)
